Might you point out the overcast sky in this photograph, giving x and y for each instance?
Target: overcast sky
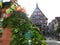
(51, 8)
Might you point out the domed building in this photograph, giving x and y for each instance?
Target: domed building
(39, 19)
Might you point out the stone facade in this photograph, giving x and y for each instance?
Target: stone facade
(54, 24)
(51, 26)
(57, 23)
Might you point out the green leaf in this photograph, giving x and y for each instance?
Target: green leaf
(8, 11)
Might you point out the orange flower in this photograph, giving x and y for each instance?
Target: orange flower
(24, 10)
(18, 8)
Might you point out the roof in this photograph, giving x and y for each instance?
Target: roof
(57, 18)
(37, 13)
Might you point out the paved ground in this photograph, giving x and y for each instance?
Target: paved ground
(53, 42)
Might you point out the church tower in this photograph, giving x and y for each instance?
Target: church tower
(39, 19)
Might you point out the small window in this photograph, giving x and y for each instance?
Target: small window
(44, 26)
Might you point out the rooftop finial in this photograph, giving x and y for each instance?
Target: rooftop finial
(37, 5)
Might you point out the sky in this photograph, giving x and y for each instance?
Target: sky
(50, 8)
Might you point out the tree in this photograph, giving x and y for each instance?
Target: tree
(58, 30)
(20, 25)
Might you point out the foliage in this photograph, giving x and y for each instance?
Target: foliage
(20, 24)
(8, 11)
(0, 4)
(6, 4)
(13, 6)
(58, 30)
